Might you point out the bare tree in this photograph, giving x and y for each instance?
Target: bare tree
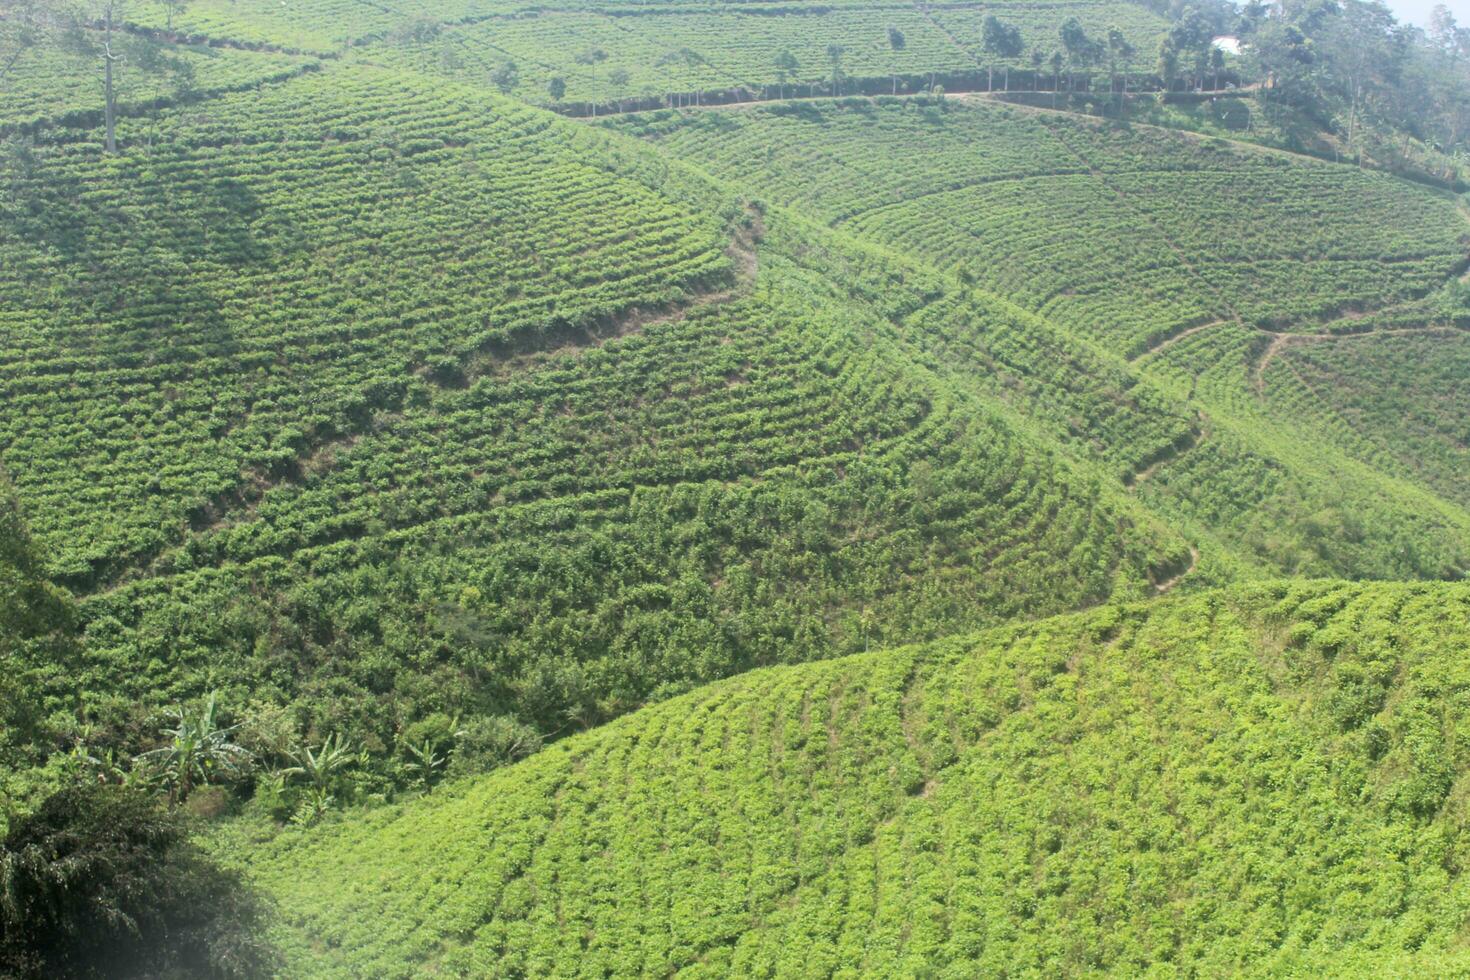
(109, 107)
(28, 22)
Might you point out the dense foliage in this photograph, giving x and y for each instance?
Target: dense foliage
(322, 474)
(99, 882)
(317, 250)
(1262, 779)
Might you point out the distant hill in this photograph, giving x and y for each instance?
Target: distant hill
(1263, 779)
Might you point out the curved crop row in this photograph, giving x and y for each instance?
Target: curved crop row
(1250, 764)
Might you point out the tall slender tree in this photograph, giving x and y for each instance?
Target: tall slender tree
(786, 66)
(835, 53)
(897, 42)
(109, 92)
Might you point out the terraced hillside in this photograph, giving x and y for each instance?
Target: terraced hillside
(52, 79)
(1124, 235)
(1184, 257)
(606, 54)
(318, 248)
(398, 400)
(366, 428)
(1397, 395)
(631, 53)
(1259, 780)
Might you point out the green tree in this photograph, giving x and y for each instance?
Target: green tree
(27, 33)
(617, 80)
(1168, 66)
(172, 7)
(424, 763)
(786, 66)
(1003, 41)
(557, 88)
(1119, 52)
(835, 53)
(991, 31)
(896, 41)
(110, 60)
(100, 882)
(323, 766)
(506, 77)
(1081, 49)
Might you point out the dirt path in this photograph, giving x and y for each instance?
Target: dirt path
(1281, 341)
(1168, 584)
(1169, 339)
(1178, 448)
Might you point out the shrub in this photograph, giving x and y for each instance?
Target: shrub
(101, 882)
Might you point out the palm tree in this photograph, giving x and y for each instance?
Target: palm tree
(198, 750)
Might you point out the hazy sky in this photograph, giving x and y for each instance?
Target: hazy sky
(1417, 11)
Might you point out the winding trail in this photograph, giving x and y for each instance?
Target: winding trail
(1173, 451)
(1281, 341)
(1168, 584)
(1167, 340)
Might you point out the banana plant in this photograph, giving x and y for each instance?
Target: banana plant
(198, 752)
(323, 765)
(424, 763)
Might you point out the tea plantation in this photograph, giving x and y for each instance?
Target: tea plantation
(1264, 779)
(635, 488)
(1151, 245)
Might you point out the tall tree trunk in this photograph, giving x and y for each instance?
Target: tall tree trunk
(109, 104)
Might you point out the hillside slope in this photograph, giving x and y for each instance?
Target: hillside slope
(419, 400)
(1261, 779)
(1183, 263)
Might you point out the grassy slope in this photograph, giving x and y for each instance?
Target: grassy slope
(1263, 778)
(326, 237)
(665, 49)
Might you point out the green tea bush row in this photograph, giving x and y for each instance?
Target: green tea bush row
(323, 239)
(960, 808)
